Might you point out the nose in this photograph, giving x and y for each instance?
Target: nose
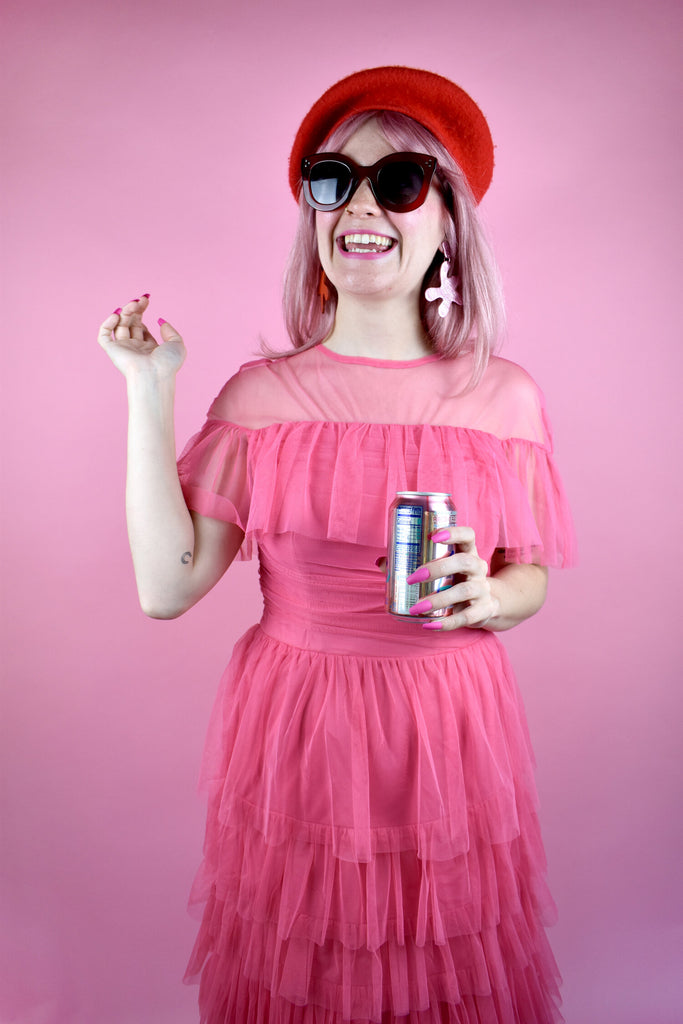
(363, 200)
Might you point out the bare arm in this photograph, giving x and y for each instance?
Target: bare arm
(177, 556)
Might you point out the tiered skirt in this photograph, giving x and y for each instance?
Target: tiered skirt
(372, 851)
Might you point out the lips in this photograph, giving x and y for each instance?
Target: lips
(365, 243)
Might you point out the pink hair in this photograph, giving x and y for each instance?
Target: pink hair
(475, 326)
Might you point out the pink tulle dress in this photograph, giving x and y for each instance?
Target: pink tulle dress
(372, 849)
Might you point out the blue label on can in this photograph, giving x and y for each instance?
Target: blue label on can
(407, 555)
(408, 539)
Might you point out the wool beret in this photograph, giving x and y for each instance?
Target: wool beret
(435, 102)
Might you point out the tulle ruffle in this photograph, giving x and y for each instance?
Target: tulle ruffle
(336, 481)
(372, 848)
(484, 980)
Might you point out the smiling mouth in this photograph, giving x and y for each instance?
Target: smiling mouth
(365, 243)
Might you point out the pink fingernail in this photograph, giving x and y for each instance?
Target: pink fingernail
(146, 295)
(419, 576)
(160, 321)
(421, 607)
(119, 310)
(440, 536)
(432, 624)
(132, 300)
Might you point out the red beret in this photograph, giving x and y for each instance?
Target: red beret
(435, 102)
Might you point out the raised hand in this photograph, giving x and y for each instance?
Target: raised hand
(133, 349)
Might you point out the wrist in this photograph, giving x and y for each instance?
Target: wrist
(495, 620)
(147, 381)
(518, 592)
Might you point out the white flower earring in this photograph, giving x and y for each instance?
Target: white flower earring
(448, 289)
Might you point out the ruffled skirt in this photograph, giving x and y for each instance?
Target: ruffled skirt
(372, 850)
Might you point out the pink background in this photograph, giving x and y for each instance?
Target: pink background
(149, 153)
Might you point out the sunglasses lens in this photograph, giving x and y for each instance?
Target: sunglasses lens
(400, 183)
(329, 182)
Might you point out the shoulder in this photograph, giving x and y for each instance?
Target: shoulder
(514, 402)
(503, 373)
(258, 394)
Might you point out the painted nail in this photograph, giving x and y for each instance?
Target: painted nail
(421, 607)
(160, 321)
(441, 536)
(419, 576)
(132, 300)
(432, 624)
(146, 295)
(117, 311)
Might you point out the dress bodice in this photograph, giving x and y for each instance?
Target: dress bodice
(306, 454)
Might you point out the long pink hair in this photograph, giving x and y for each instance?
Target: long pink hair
(474, 327)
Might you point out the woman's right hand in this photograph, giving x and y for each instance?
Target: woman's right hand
(133, 349)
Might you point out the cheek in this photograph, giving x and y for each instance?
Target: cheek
(426, 226)
(324, 229)
(436, 220)
(424, 242)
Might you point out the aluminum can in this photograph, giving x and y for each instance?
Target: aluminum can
(413, 516)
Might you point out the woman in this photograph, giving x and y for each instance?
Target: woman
(372, 849)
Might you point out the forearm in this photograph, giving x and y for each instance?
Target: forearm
(160, 528)
(518, 592)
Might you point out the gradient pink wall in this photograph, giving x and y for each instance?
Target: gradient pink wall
(149, 144)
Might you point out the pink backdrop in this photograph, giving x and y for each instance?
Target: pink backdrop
(149, 150)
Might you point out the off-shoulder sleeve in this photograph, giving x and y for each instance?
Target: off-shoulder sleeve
(214, 474)
(542, 489)
(213, 471)
(214, 467)
(530, 455)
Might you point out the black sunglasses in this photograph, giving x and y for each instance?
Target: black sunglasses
(399, 182)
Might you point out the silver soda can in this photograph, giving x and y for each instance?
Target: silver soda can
(413, 516)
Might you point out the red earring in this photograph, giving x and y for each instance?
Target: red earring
(323, 291)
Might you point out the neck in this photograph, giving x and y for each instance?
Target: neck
(381, 330)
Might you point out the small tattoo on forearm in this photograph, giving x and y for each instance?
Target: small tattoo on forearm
(187, 557)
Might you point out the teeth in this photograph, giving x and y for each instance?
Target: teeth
(380, 241)
(368, 239)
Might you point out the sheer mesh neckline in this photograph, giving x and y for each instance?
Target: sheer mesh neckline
(392, 364)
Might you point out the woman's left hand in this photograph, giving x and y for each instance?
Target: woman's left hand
(472, 597)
